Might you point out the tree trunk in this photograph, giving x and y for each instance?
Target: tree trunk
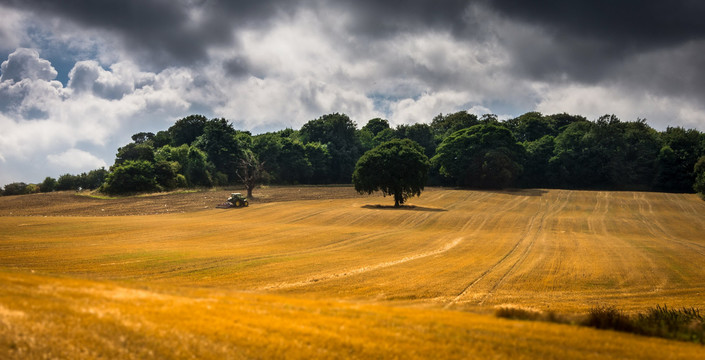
(397, 200)
(249, 192)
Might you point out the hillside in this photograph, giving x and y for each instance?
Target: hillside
(345, 276)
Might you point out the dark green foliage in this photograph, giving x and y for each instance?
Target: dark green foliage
(574, 161)
(374, 126)
(639, 156)
(676, 160)
(165, 173)
(530, 126)
(135, 151)
(338, 133)
(484, 156)
(188, 161)
(397, 167)
(421, 134)
(607, 153)
(16, 188)
(560, 121)
(48, 185)
(536, 165)
(366, 140)
(131, 176)
(142, 137)
(294, 166)
(531, 150)
(187, 130)
(223, 145)
(93, 179)
(198, 170)
(68, 182)
(319, 158)
(384, 136)
(162, 138)
(267, 148)
(699, 185)
(443, 126)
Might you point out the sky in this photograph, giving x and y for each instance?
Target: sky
(79, 77)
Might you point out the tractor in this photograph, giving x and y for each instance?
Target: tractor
(235, 200)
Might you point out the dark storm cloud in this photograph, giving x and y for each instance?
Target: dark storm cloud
(383, 18)
(591, 41)
(162, 31)
(634, 24)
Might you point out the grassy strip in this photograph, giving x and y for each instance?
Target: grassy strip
(685, 324)
(94, 194)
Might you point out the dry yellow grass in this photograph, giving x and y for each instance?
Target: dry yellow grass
(341, 278)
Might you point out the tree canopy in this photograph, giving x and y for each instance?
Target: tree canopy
(483, 156)
(530, 150)
(397, 167)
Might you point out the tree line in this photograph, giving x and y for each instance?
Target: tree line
(529, 151)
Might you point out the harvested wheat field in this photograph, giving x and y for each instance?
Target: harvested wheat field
(320, 272)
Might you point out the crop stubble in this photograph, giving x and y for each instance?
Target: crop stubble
(556, 250)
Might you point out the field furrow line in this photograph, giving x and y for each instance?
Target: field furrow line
(532, 236)
(360, 270)
(656, 228)
(511, 251)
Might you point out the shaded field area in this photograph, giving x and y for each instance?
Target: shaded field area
(71, 203)
(346, 276)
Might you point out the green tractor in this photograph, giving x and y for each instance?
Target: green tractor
(235, 200)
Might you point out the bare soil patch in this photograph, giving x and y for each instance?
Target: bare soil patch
(71, 203)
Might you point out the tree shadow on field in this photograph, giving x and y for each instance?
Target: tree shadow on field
(402, 207)
(517, 192)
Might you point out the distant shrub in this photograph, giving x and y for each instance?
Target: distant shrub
(522, 313)
(686, 324)
(518, 313)
(699, 172)
(16, 188)
(130, 177)
(32, 189)
(48, 185)
(609, 317)
(181, 181)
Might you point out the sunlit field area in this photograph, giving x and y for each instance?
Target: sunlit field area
(320, 272)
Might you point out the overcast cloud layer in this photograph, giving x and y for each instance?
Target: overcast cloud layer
(78, 78)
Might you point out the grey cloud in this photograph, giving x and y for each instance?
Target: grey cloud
(89, 77)
(25, 80)
(83, 76)
(675, 71)
(26, 64)
(383, 18)
(237, 67)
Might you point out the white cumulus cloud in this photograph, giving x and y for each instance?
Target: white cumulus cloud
(75, 160)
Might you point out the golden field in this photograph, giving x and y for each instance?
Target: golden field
(324, 273)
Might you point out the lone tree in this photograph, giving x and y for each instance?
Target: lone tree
(699, 185)
(397, 167)
(250, 171)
